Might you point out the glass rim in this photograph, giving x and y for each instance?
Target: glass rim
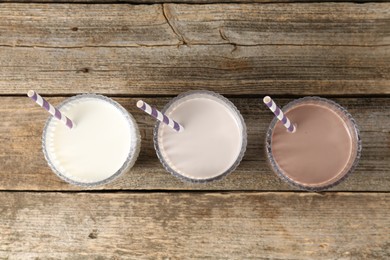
(353, 129)
(133, 153)
(243, 133)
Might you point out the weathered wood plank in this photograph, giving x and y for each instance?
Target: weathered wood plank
(290, 24)
(310, 70)
(70, 25)
(328, 48)
(194, 226)
(23, 167)
(186, 1)
(74, 25)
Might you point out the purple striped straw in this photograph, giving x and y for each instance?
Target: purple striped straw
(159, 116)
(279, 114)
(50, 108)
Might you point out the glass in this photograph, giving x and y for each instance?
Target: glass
(134, 136)
(231, 108)
(353, 132)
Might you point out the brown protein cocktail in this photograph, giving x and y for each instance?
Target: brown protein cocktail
(323, 148)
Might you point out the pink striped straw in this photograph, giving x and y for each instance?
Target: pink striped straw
(159, 116)
(50, 108)
(279, 114)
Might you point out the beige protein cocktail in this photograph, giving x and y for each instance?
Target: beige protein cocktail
(323, 149)
(212, 143)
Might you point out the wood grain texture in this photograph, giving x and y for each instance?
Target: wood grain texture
(282, 24)
(75, 25)
(328, 48)
(83, 25)
(186, 1)
(194, 226)
(23, 167)
(311, 70)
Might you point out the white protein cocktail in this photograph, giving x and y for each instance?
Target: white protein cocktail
(104, 143)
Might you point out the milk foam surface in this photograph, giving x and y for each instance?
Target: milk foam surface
(211, 141)
(96, 148)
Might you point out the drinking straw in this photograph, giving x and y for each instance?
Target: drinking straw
(279, 114)
(159, 116)
(50, 108)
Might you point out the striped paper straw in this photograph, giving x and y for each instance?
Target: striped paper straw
(50, 108)
(279, 114)
(159, 116)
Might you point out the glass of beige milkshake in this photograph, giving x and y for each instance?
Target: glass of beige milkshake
(324, 149)
(212, 143)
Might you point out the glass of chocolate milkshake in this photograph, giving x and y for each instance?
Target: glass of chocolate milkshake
(322, 151)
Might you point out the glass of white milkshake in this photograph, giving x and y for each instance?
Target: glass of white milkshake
(212, 143)
(104, 143)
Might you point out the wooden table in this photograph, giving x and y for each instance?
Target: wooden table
(156, 50)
